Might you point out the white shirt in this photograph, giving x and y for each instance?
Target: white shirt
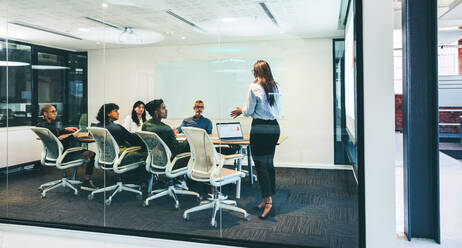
(130, 125)
(258, 106)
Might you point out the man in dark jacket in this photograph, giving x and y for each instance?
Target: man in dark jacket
(67, 136)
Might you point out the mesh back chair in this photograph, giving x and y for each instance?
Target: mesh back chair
(53, 155)
(158, 163)
(206, 166)
(108, 159)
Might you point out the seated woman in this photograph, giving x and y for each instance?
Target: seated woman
(107, 114)
(135, 120)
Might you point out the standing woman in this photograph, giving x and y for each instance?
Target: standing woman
(263, 106)
(134, 121)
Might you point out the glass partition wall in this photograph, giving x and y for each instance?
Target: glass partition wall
(178, 119)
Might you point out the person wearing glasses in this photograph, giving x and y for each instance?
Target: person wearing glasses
(67, 136)
(263, 106)
(197, 120)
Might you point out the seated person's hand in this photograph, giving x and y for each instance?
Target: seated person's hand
(70, 129)
(175, 131)
(77, 135)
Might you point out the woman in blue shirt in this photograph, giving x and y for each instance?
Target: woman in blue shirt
(263, 106)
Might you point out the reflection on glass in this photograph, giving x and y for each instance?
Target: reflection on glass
(16, 76)
(159, 142)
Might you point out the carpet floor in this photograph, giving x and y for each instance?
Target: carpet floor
(313, 208)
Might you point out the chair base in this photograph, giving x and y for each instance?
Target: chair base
(64, 182)
(216, 203)
(170, 191)
(118, 187)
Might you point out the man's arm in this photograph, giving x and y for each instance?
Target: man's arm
(183, 123)
(209, 126)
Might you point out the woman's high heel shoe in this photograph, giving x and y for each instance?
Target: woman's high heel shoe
(271, 213)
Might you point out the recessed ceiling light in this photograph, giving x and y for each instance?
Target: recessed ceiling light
(104, 5)
(228, 19)
(182, 37)
(84, 29)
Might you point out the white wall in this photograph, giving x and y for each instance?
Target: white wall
(21, 145)
(379, 124)
(126, 75)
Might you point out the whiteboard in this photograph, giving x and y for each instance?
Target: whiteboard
(222, 84)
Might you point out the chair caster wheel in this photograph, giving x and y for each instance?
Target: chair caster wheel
(214, 223)
(90, 197)
(145, 204)
(177, 206)
(139, 197)
(247, 217)
(108, 202)
(76, 192)
(186, 217)
(43, 196)
(40, 189)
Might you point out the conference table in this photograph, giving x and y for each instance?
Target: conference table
(241, 144)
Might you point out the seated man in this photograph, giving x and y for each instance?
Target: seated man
(49, 122)
(197, 120)
(158, 111)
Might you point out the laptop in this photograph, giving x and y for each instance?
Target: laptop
(230, 131)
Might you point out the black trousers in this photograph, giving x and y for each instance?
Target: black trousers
(264, 136)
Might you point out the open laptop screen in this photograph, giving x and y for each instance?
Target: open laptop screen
(231, 130)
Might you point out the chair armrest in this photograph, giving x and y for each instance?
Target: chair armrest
(131, 149)
(73, 149)
(178, 172)
(59, 162)
(122, 156)
(233, 156)
(182, 155)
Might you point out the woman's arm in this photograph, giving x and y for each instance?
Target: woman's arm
(249, 108)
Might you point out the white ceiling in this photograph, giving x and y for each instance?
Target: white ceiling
(296, 18)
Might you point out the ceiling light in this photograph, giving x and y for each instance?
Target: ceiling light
(268, 13)
(84, 29)
(13, 63)
(170, 12)
(27, 25)
(103, 22)
(49, 67)
(183, 38)
(228, 19)
(128, 36)
(104, 5)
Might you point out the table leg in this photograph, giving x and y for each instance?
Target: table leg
(249, 162)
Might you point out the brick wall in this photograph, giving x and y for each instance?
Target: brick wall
(449, 117)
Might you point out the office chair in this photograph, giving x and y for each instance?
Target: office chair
(108, 159)
(53, 155)
(206, 166)
(159, 162)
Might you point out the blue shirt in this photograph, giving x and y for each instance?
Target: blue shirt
(202, 122)
(258, 106)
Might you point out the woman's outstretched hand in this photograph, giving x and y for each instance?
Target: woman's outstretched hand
(235, 113)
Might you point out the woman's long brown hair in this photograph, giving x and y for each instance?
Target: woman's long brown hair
(262, 69)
